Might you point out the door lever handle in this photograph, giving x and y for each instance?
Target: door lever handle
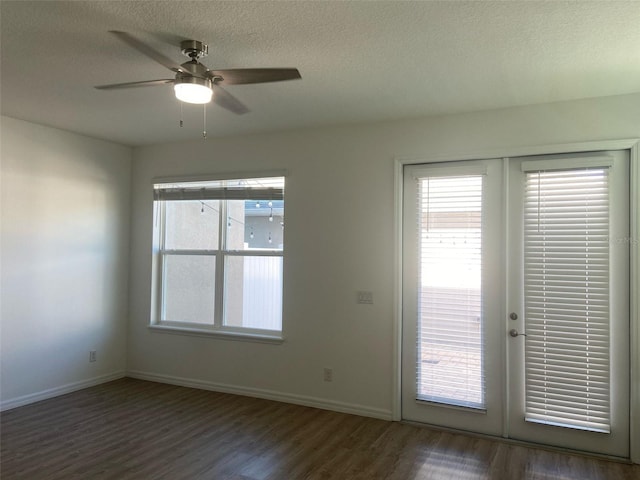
(514, 333)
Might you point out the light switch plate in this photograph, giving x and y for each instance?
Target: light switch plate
(365, 297)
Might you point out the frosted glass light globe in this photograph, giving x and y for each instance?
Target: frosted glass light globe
(193, 93)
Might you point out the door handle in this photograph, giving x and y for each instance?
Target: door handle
(514, 333)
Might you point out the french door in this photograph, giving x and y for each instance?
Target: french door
(515, 298)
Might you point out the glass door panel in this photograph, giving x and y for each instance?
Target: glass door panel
(451, 294)
(568, 348)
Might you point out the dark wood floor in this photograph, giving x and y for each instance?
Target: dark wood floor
(131, 429)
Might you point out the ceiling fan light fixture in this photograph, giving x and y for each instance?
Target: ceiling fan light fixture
(194, 82)
(193, 90)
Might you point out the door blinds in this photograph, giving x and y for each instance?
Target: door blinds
(449, 337)
(566, 290)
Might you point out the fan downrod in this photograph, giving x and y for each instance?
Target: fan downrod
(194, 49)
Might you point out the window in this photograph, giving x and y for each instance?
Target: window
(218, 256)
(449, 338)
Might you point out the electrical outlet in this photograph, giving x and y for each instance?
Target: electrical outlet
(328, 375)
(92, 356)
(365, 297)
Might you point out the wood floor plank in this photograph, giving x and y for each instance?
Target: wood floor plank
(136, 430)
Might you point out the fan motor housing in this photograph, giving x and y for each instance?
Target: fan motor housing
(193, 68)
(194, 48)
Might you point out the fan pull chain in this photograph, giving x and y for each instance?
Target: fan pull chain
(181, 115)
(204, 121)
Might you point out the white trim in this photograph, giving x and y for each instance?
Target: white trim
(634, 313)
(57, 391)
(396, 374)
(307, 401)
(220, 176)
(619, 144)
(631, 144)
(229, 253)
(245, 335)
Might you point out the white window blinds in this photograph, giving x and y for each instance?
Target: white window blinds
(449, 337)
(566, 268)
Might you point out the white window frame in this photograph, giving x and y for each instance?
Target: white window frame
(217, 327)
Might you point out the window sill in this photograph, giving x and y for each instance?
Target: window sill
(216, 333)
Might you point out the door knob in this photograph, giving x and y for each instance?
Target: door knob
(514, 333)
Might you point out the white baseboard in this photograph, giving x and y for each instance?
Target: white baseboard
(57, 391)
(306, 401)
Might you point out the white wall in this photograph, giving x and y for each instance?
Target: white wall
(339, 238)
(64, 260)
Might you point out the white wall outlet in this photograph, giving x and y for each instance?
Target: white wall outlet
(328, 375)
(92, 356)
(364, 297)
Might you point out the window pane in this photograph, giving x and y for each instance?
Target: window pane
(566, 267)
(449, 364)
(189, 288)
(255, 224)
(253, 292)
(192, 225)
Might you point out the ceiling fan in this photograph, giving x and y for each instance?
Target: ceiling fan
(195, 83)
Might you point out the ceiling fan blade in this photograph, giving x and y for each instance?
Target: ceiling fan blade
(144, 83)
(148, 51)
(226, 100)
(238, 76)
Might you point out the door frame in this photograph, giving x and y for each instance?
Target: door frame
(633, 145)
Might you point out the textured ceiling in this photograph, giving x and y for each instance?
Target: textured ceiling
(360, 61)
